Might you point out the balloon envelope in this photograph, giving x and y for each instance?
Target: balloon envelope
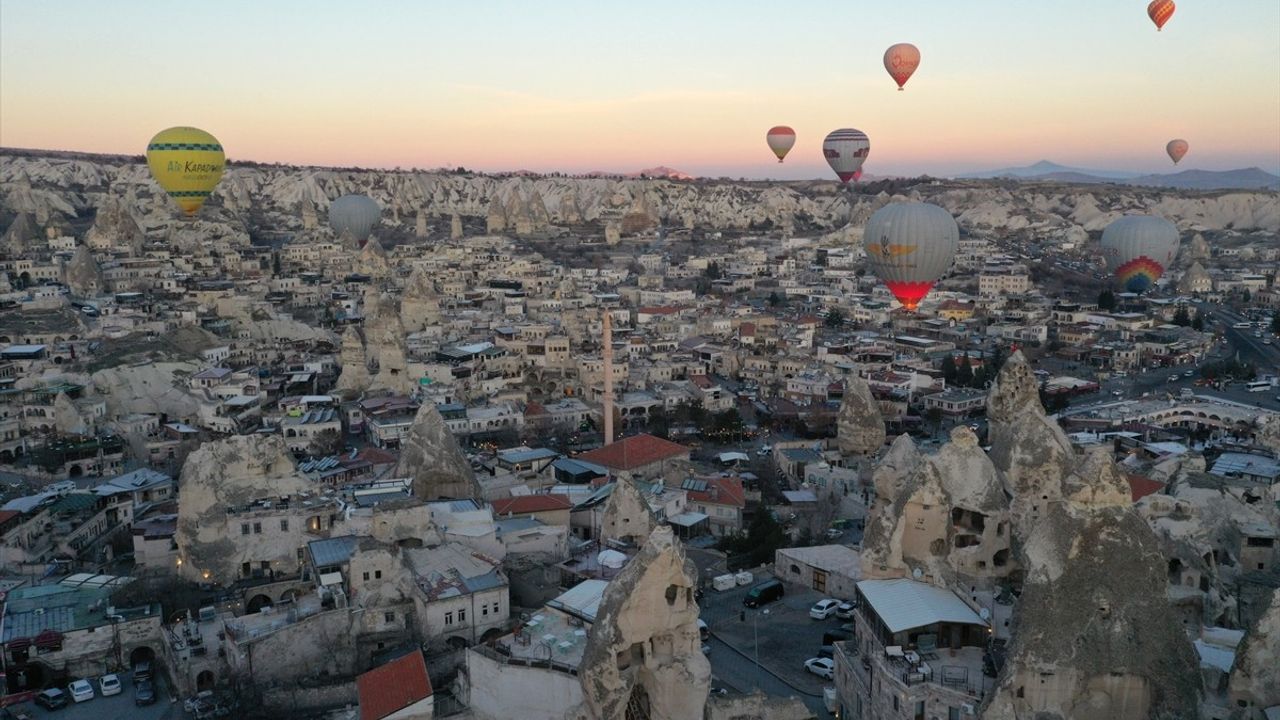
(846, 149)
(1160, 11)
(187, 163)
(1176, 149)
(901, 61)
(354, 214)
(780, 138)
(1138, 248)
(909, 246)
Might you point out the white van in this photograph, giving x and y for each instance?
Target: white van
(63, 487)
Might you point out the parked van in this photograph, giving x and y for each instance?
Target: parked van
(63, 487)
(763, 594)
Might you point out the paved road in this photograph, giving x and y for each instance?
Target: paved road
(116, 707)
(737, 673)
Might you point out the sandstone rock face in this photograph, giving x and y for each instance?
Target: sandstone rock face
(373, 259)
(20, 235)
(355, 369)
(393, 368)
(644, 647)
(1195, 280)
(756, 706)
(66, 417)
(1198, 249)
(115, 227)
(455, 226)
(381, 320)
(1269, 434)
(82, 274)
(432, 458)
(860, 427)
(1255, 680)
(890, 479)
(627, 516)
(1028, 447)
(419, 304)
(151, 388)
(221, 475)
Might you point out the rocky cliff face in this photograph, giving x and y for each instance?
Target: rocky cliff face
(355, 369)
(82, 274)
(432, 458)
(860, 427)
(626, 516)
(419, 303)
(1255, 676)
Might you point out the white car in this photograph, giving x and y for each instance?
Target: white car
(81, 690)
(110, 685)
(824, 609)
(822, 667)
(845, 611)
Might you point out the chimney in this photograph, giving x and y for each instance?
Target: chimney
(607, 354)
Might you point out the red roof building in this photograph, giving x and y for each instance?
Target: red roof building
(398, 686)
(638, 455)
(1140, 486)
(546, 507)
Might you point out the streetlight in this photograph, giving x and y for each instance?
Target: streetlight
(755, 632)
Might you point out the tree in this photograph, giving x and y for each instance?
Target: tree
(964, 375)
(775, 299)
(326, 443)
(834, 319)
(713, 271)
(660, 423)
(1275, 324)
(758, 544)
(1197, 322)
(934, 417)
(949, 369)
(1182, 316)
(1106, 300)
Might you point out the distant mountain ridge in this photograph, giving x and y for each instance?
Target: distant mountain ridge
(1253, 178)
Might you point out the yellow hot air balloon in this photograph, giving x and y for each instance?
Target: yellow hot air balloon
(187, 163)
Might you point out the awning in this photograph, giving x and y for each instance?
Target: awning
(688, 519)
(333, 578)
(49, 639)
(19, 643)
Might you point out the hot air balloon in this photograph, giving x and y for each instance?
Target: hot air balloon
(1176, 149)
(187, 163)
(1138, 248)
(846, 149)
(909, 246)
(901, 61)
(780, 139)
(354, 214)
(1160, 11)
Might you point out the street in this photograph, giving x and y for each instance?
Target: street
(116, 707)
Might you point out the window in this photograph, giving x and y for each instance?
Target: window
(895, 703)
(257, 528)
(366, 577)
(284, 525)
(953, 713)
(448, 618)
(462, 616)
(484, 610)
(377, 574)
(389, 617)
(919, 710)
(299, 554)
(244, 528)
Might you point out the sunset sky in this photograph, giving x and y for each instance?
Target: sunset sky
(601, 85)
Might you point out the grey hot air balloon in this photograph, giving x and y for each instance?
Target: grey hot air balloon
(354, 214)
(1138, 249)
(909, 246)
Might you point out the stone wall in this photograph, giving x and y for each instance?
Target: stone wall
(496, 689)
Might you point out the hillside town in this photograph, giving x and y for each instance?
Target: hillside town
(601, 448)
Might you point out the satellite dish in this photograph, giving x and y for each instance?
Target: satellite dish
(984, 613)
(917, 573)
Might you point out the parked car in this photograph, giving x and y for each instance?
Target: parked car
(764, 593)
(822, 667)
(824, 609)
(844, 610)
(834, 636)
(110, 685)
(51, 699)
(142, 671)
(827, 651)
(834, 533)
(144, 693)
(81, 691)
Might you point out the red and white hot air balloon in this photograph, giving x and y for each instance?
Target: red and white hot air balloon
(909, 246)
(780, 138)
(1176, 149)
(1160, 11)
(845, 150)
(901, 61)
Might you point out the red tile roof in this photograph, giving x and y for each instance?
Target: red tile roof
(392, 687)
(634, 452)
(526, 504)
(7, 515)
(1140, 487)
(534, 409)
(721, 491)
(701, 381)
(658, 310)
(747, 329)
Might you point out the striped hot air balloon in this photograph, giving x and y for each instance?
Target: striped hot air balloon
(780, 138)
(1160, 11)
(187, 163)
(1176, 149)
(909, 246)
(901, 61)
(354, 214)
(1138, 248)
(846, 149)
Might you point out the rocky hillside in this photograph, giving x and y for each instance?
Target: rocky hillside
(69, 189)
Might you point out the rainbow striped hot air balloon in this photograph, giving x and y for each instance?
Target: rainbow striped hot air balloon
(187, 163)
(909, 246)
(780, 138)
(845, 150)
(1138, 249)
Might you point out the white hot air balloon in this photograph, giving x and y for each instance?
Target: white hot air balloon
(909, 246)
(1138, 249)
(845, 150)
(354, 214)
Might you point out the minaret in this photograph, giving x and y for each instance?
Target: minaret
(607, 354)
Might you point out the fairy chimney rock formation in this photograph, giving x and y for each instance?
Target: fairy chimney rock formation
(455, 227)
(1255, 681)
(644, 650)
(432, 459)
(393, 367)
(627, 517)
(860, 427)
(419, 304)
(66, 416)
(355, 370)
(82, 274)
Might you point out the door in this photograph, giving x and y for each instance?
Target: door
(820, 580)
